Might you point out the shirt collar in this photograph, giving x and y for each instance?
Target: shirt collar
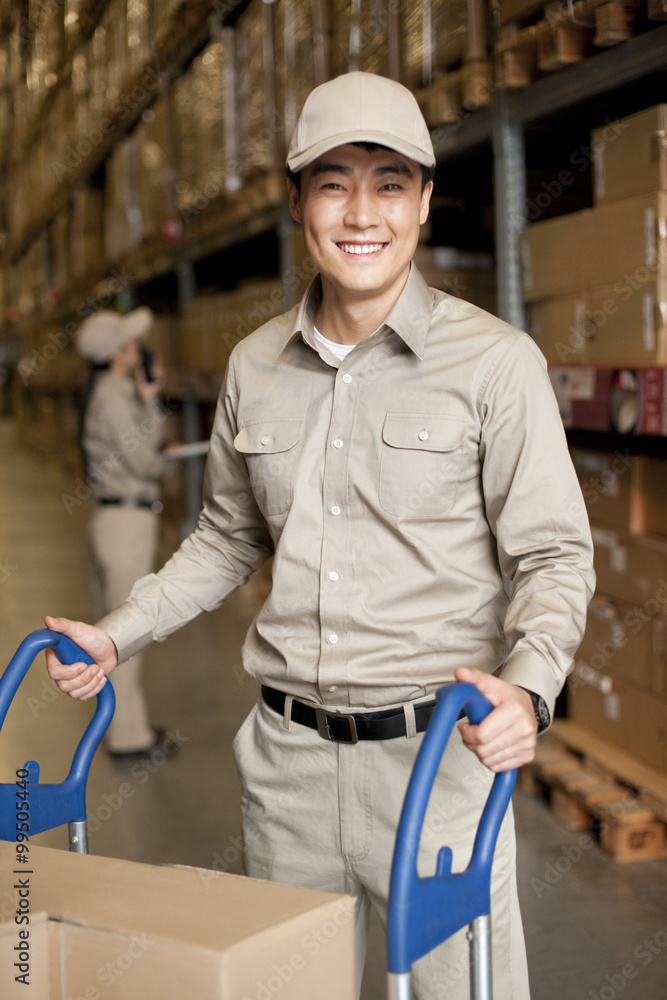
(410, 317)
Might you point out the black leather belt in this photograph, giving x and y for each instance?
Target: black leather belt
(341, 728)
(131, 502)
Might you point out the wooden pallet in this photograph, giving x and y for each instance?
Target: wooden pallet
(592, 785)
(562, 37)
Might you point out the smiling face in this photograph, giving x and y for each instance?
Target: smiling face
(361, 212)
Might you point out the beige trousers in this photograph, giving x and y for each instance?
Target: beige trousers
(324, 815)
(123, 544)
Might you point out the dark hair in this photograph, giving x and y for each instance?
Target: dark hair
(428, 173)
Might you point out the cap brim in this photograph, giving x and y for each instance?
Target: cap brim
(136, 324)
(296, 163)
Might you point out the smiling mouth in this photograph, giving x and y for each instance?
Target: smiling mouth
(361, 248)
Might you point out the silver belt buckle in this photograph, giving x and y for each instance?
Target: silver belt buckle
(322, 718)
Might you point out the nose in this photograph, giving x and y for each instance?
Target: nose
(361, 210)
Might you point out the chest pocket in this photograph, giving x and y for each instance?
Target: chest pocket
(270, 450)
(420, 463)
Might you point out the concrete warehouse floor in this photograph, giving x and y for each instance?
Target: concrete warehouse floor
(595, 929)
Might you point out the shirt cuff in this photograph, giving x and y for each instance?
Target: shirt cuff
(529, 670)
(129, 630)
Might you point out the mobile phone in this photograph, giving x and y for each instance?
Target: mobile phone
(147, 362)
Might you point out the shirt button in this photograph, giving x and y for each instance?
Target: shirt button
(335, 510)
(338, 443)
(332, 688)
(423, 435)
(333, 575)
(333, 638)
(265, 440)
(347, 379)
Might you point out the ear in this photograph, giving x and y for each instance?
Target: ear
(294, 201)
(425, 203)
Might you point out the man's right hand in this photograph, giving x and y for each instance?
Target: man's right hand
(81, 680)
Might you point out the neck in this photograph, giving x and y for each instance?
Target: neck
(346, 319)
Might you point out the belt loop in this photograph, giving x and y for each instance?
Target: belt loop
(410, 723)
(287, 713)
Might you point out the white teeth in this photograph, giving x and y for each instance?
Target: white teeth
(361, 247)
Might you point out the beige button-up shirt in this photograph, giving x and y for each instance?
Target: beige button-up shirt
(396, 489)
(121, 438)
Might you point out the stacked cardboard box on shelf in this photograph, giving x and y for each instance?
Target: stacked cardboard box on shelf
(596, 280)
(213, 324)
(619, 686)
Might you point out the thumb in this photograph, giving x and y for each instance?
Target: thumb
(486, 683)
(56, 624)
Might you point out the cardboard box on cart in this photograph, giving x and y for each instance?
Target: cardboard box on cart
(104, 929)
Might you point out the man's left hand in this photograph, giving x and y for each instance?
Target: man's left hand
(508, 735)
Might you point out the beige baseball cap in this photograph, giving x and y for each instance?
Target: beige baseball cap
(106, 332)
(360, 107)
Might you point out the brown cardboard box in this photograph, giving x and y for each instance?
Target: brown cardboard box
(630, 155)
(628, 241)
(625, 638)
(622, 242)
(555, 255)
(106, 929)
(466, 275)
(558, 326)
(606, 483)
(626, 323)
(649, 515)
(629, 716)
(631, 569)
(625, 491)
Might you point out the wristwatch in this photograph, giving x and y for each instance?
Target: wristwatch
(542, 713)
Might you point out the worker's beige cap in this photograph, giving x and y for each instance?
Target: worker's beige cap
(106, 332)
(360, 107)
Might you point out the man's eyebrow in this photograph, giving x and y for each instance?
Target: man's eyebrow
(323, 167)
(399, 167)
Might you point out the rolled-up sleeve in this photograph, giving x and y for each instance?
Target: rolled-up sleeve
(536, 511)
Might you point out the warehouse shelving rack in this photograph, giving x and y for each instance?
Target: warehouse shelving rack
(499, 134)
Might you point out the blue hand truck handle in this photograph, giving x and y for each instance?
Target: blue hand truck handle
(424, 912)
(52, 805)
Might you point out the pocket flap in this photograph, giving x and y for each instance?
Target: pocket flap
(424, 431)
(267, 437)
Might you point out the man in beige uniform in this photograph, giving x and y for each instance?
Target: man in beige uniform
(122, 432)
(399, 451)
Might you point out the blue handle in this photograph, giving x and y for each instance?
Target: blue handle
(52, 805)
(424, 912)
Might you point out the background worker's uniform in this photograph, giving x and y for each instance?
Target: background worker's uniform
(396, 487)
(121, 437)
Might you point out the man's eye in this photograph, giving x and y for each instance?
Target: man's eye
(392, 186)
(332, 186)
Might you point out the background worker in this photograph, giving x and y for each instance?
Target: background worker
(400, 451)
(122, 431)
